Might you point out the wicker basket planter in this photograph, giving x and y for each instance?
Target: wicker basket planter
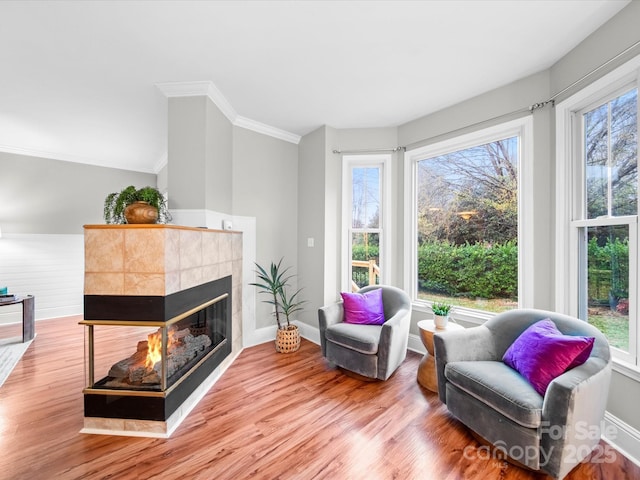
(288, 339)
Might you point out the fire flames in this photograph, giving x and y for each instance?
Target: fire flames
(154, 347)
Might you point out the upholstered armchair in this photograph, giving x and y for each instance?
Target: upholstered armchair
(373, 351)
(552, 432)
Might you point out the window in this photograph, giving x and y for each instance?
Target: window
(597, 131)
(464, 212)
(364, 236)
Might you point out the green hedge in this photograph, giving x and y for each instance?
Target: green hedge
(478, 270)
(360, 252)
(491, 270)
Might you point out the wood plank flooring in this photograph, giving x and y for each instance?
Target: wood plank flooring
(284, 416)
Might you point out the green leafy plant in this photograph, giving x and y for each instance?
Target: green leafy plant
(116, 202)
(274, 282)
(290, 304)
(442, 309)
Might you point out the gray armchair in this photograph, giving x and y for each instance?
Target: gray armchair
(546, 433)
(374, 351)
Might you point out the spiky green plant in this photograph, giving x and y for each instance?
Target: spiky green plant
(290, 304)
(273, 282)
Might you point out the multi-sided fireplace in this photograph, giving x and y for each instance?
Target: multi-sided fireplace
(162, 351)
(158, 317)
(174, 342)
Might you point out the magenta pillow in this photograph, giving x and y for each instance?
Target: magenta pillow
(364, 308)
(542, 352)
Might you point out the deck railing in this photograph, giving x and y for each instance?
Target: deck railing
(359, 278)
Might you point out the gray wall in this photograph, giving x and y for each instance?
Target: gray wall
(219, 141)
(503, 104)
(187, 149)
(265, 186)
(311, 221)
(606, 43)
(200, 150)
(44, 196)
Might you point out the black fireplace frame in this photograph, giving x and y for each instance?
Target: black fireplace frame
(127, 309)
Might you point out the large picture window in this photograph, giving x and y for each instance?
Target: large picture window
(597, 200)
(465, 216)
(606, 216)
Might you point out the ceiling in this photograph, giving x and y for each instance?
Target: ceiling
(79, 80)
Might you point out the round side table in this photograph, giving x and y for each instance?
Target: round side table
(427, 368)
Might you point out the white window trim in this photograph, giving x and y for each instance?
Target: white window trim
(348, 162)
(522, 127)
(567, 142)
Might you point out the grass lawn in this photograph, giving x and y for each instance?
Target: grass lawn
(614, 326)
(495, 305)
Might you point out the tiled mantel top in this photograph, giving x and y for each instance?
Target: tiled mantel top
(156, 259)
(155, 226)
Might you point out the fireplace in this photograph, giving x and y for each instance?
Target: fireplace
(173, 289)
(166, 347)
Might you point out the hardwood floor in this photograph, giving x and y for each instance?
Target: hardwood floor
(286, 416)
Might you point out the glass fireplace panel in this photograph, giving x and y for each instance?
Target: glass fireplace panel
(152, 356)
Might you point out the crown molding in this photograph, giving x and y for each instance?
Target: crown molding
(265, 129)
(208, 89)
(160, 164)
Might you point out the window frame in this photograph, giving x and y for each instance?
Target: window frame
(571, 219)
(522, 128)
(349, 162)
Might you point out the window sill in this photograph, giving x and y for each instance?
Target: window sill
(626, 369)
(465, 315)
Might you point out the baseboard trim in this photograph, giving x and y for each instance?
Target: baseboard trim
(260, 335)
(622, 436)
(309, 332)
(415, 344)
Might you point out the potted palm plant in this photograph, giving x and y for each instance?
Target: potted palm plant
(441, 312)
(131, 205)
(274, 283)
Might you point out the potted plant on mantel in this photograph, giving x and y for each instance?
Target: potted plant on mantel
(131, 205)
(274, 283)
(441, 314)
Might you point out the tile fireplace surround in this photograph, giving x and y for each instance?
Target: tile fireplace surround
(161, 261)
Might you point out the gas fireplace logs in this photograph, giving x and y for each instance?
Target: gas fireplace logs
(144, 366)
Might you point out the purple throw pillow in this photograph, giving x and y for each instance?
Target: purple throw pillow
(364, 308)
(542, 352)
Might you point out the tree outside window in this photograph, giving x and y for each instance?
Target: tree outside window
(611, 205)
(467, 208)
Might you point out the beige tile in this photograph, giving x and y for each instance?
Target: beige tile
(103, 250)
(104, 423)
(210, 273)
(144, 250)
(210, 247)
(190, 249)
(144, 284)
(226, 247)
(149, 426)
(103, 283)
(171, 282)
(226, 269)
(190, 277)
(236, 271)
(237, 246)
(172, 250)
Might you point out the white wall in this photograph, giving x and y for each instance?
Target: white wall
(44, 204)
(50, 267)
